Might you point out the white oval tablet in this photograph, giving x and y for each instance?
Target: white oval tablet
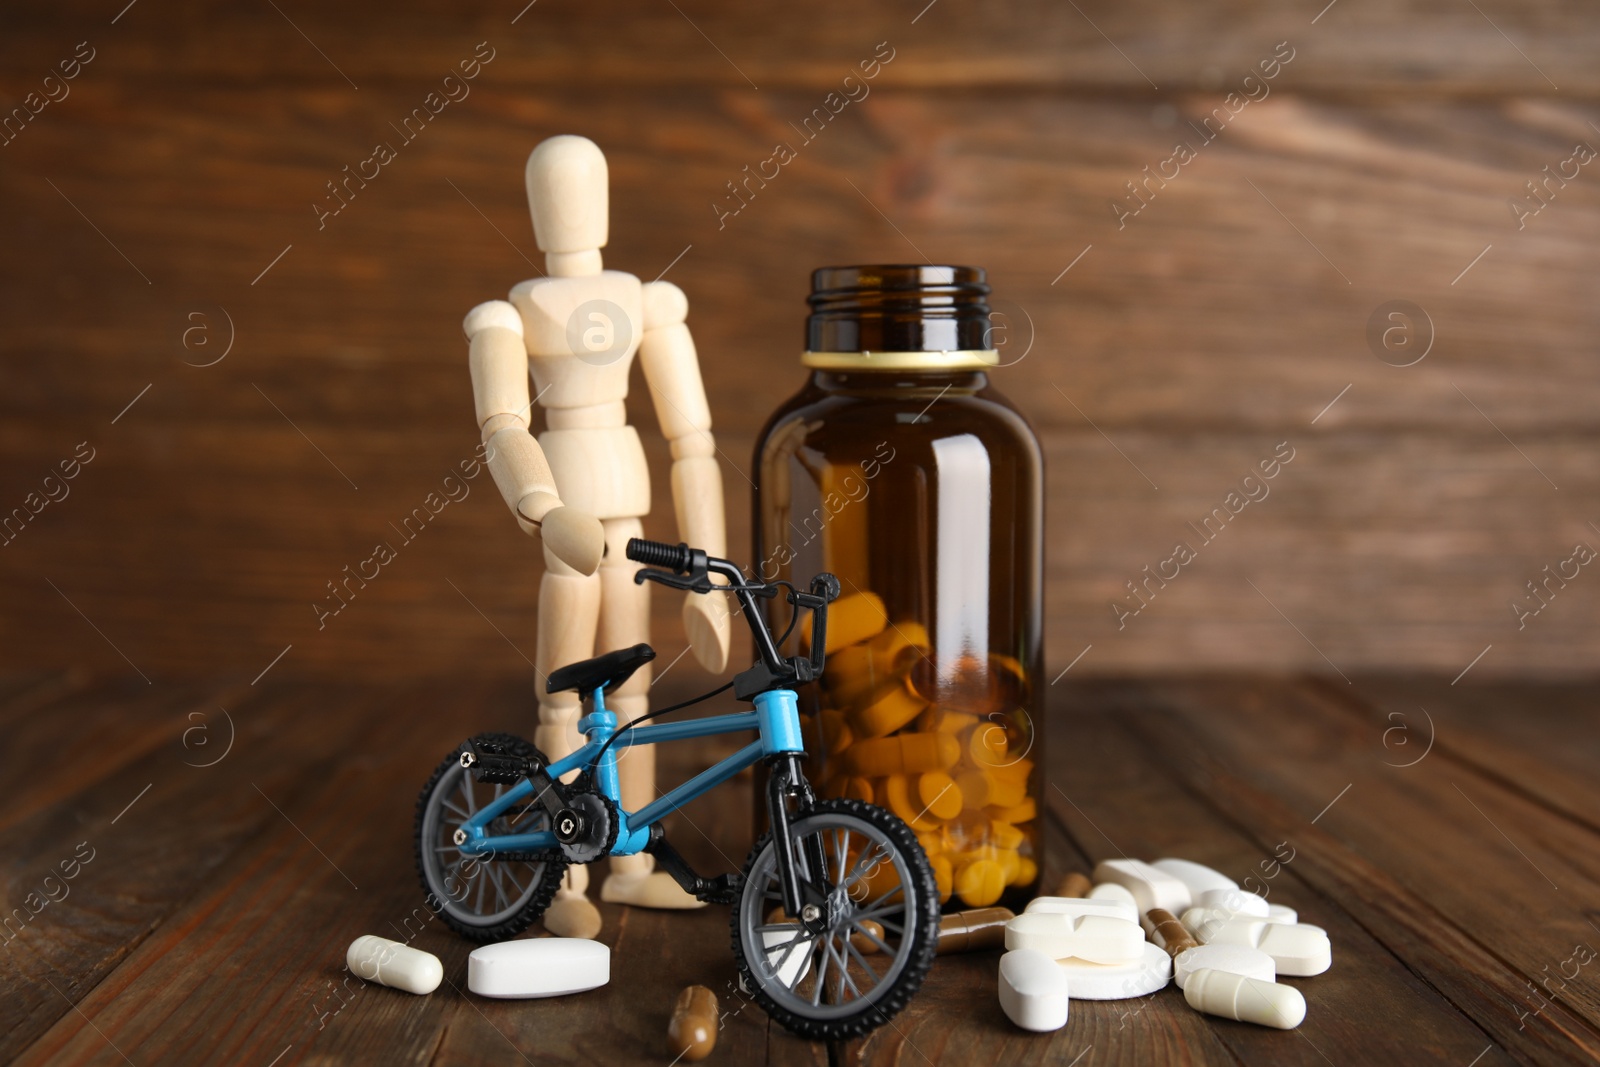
(1235, 959)
(538, 967)
(1197, 876)
(393, 964)
(1234, 900)
(1296, 950)
(1096, 938)
(1118, 981)
(1282, 913)
(1150, 888)
(1233, 996)
(791, 959)
(1116, 909)
(1033, 990)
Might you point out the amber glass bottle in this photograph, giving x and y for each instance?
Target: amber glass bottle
(901, 470)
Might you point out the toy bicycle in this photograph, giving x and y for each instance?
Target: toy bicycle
(835, 916)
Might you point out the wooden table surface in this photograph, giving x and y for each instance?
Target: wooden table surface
(229, 841)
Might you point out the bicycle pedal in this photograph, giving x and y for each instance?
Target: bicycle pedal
(723, 889)
(490, 764)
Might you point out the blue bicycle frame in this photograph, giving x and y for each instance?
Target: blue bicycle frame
(776, 718)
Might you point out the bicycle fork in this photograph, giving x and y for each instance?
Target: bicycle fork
(800, 874)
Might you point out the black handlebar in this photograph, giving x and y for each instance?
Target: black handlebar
(682, 567)
(677, 558)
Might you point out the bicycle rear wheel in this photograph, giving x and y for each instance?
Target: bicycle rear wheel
(863, 965)
(482, 897)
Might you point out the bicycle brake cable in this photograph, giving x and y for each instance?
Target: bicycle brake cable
(660, 711)
(794, 617)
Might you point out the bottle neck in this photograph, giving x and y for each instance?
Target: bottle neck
(910, 316)
(878, 381)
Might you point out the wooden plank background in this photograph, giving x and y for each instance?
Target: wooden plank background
(1178, 350)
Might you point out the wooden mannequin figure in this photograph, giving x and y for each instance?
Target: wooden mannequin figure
(576, 332)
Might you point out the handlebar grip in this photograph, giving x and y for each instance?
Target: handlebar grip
(675, 558)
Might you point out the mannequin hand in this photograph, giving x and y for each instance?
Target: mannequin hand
(705, 620)
(574, 537)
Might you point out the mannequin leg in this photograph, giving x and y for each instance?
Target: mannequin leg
(569, 607)
(625, 621)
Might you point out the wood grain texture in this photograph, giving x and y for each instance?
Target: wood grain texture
(211, 923)
(1417, 45)
(150, 208)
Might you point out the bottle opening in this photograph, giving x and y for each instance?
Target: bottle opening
(899, 308)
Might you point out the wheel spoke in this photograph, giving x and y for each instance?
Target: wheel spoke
(859, 870)
(513, 880)
(467, 791)
(899, 888)
(451, 807)
(850, 948)
(483, 885)
(501, 903)
(843, 852)
(870, 936)
(844, 973)
(788, 947)
(822, 975)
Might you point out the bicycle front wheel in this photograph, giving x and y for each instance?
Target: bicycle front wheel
(882, 923)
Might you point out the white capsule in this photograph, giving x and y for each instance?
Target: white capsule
(1113, 891)
(395, 965)
(1249, 1000)
(1033, 990)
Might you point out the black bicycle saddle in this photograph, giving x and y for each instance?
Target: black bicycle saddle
(609, 670)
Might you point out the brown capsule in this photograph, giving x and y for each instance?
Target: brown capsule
(692, 1033)
(972, 931)
(864, 944)
(1076, 884)
(1170, 935)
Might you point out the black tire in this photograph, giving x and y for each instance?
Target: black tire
(460, 903)
(779, 986)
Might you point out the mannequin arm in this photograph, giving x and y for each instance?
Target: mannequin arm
(500, 393)
(672, 372)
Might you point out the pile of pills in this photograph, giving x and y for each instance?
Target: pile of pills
(938, 747)
(1138, 925)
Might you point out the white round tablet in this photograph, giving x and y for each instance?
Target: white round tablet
(538, 967)
(1235, 959)
(1118, 981)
